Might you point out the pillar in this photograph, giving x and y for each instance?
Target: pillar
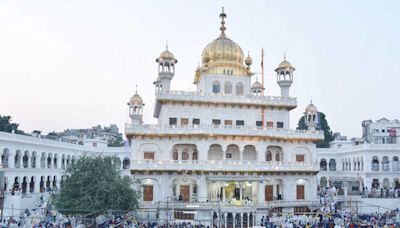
(226, 219)
(223, 194)
(234, 219)
(240, 192)
(241, 220)
(11, 159)
(248, 219)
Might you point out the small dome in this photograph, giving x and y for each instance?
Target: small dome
(136, 100)
(166, 55)
(248, 61)
(285, 65)
(256, 85)
(311, 108)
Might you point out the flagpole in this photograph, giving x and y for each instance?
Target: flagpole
(262, 82)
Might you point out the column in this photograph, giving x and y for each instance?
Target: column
(241, 220)
(225, 219)
(261, 192)
(11, 159)
(36, 188)
(234, 219)
(248, 219)
(240, 193)
(202, 189)
(223, 194)
(212, 219)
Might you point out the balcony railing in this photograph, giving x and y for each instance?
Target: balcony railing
(222, 130)
(199, 97)
(240, 166)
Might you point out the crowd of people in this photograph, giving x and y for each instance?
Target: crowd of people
(380, 192)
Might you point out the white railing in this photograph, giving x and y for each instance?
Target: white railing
(222, 130)
(229, 98)
(201, 165)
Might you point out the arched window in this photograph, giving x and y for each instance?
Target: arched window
(175, 155)
(323, 165)
(332, 164)
(195, 155)
(227, 88)
(395, 163)
(268, 156)
(385, 164)
(239, 89)
(216, 87)
(185, 155)
(375, 163)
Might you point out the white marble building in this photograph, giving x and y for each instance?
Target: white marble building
(225, 152)
(33, 166)
(370, 162)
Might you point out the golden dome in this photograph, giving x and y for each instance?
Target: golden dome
(136, 100)
(223, 49)
(285, 65)
(223, 54)
(311, 108)
(166, 55)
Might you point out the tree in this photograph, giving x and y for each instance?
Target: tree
(7, 126)
(95, 184)
(322, 126)
(118, 142)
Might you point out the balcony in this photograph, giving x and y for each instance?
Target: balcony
(229, 166)
(213, 130)
(202, 97)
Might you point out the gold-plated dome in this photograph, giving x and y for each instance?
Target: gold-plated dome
(311, 108)
(167, 55)
(285, 64)
(223, 54)
(136, 100)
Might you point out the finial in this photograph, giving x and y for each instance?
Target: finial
(136, 89)
(166, 45)
(248, 53)
(311, 100)
(284, 55)
(222, 15)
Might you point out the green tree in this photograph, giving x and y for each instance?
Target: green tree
(322, 126)
(95, 184)
(118, 142)
(7, 126)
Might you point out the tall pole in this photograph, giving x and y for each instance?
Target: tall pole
(262, 82)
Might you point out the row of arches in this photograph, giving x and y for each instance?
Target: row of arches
(27, 159)
(324, 165)
(384, 164)
(228, 88)
(32, 184)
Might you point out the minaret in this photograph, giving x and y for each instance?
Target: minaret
(257, 88)
(136, 109)
(166, 70)
(311, 117)
(284, 74)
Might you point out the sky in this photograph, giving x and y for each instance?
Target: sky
(75, 64)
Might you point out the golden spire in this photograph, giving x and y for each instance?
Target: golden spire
(222, 15)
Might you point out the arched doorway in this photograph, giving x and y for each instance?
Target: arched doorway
(32, 185)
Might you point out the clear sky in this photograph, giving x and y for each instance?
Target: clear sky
(74, 64)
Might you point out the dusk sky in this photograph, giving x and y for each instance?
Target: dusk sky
(75, 64)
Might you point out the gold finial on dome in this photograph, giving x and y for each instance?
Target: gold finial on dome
(248, 61)
(222, 15)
